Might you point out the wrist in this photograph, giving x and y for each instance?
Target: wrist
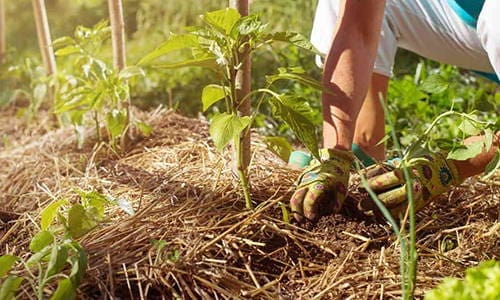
(329, 154)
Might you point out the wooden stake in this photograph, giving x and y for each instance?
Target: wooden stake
(119, 56)
(3, 39)
(44, 39)
(243, 84)
(117, 33)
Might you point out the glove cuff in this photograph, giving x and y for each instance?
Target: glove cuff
(456, 178)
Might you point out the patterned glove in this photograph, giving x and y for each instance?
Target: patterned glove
(322, 187)
(432, 174)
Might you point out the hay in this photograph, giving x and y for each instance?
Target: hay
(185, 194)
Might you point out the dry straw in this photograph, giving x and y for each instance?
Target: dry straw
(185, 194)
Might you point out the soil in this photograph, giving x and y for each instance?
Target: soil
(184, 193)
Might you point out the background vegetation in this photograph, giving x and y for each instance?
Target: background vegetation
(149, 22)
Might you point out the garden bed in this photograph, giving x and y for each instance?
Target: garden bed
(192, 238)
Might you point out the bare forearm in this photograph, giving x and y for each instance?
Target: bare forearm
(348, 70)
(477, 164)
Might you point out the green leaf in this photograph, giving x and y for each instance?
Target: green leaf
(159, 244)
(144, 128)
(279, 146)
(63, 42)
(65, 290)
(80, 221)
(38, 256)
(57, 260)
(116, 122)
(295, 75)
(468, 127)
(488, 138)
(130, 72)
(49, 213)
(9, 287)
(174, 43)
(284, 213)
(492, 166)
(434, 84)
(79, 264)
(466, 152)
(481, 282)
(293, 38)
(212, 93)
(41, 240)
(94, 201)
(248, 25)
(225, 127)
(68, 50)
(223, 20)
(204, 62)
(174, 255)
(286, 109)
(6, 263)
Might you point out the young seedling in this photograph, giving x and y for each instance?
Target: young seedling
(217, 45)
(94, 90)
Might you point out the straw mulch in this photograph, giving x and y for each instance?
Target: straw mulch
(184, 193)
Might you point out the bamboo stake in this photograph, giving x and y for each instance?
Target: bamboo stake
(243, 86)
(119, 55)
(3, 39)
(117, 33)
(44, 39)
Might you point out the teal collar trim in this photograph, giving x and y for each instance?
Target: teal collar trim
(468, 14)
(491, 76)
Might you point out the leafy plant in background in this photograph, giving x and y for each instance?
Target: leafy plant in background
(94, 91)
(433, 90)
(29, 84)
(56, 256)
(448, 131)
(481, 282)
(217, 46)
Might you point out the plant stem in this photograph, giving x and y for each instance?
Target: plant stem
(409, 254)
(242, 172)
(97, 126)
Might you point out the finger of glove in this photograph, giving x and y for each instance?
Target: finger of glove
(397, 196)
(386, 181)
(400, 210)
(376, 170)
(323, 201)
(312, 201)
(297, 203)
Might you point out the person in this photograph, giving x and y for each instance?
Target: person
(360, 39)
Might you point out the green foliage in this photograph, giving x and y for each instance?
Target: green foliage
(434, 90)
(219, 45)
(226, 127)
(9, 287)
(55, 249)
(6, 263)
(93, 91)
(481, 282)
(280, 146)
(26, 85)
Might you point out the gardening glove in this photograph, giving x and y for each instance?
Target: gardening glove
(322, 187)
(431, 173)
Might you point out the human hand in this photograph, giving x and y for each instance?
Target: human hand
(431, 175)
(322, 187)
